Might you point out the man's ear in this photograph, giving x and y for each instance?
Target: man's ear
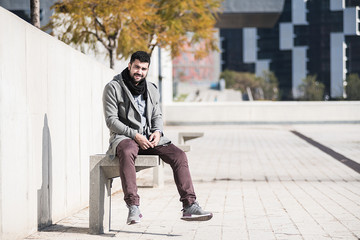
(129, 66)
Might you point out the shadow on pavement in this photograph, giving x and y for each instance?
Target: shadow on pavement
(147, 233)
(69, 229)
(86, 230)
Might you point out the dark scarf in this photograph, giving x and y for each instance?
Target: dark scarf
(139, 89)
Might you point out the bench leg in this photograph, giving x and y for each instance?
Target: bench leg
(99, 201)
(158, 175)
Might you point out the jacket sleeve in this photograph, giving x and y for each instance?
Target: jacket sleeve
(110, 106)
(156, 117)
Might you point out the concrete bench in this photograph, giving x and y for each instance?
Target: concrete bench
(102, 171)
(186, 136)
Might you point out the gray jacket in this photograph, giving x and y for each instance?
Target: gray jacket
(122, 116)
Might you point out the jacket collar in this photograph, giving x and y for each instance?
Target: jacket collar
(130, 96)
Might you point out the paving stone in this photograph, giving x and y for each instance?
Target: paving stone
(260, 181)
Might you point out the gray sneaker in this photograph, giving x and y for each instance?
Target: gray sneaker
(195, 213)
(134, 215)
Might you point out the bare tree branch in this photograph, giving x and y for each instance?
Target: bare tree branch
(98, 38)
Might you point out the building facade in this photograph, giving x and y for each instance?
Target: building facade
(311, 37)
(236, 15)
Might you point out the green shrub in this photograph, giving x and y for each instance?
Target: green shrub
(353, 87)
(264, 87)
(311, 89)
(268, 88)
(239, 80)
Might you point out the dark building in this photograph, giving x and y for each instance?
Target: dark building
(310, 38)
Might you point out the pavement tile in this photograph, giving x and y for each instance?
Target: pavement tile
(260, 181)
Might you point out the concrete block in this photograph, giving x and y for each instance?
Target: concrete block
(185, 148)
(102, 169)
(186, 136)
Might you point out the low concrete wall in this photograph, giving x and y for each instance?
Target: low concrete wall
(51, 121)
(261, 112)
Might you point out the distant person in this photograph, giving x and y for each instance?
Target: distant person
(133, 115)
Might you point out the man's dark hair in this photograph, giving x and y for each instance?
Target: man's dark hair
(141, 56)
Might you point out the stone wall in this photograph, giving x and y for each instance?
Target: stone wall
(51, 121)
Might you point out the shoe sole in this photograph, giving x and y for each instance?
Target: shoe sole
(133, 222)
(197, 218)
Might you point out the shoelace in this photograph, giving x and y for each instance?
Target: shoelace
(195, 206)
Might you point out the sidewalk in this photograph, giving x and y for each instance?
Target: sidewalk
(260, 181)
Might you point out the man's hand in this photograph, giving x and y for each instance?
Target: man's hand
(155, 138)
(143, 142)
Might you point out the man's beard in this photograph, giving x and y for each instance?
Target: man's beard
(134, 80)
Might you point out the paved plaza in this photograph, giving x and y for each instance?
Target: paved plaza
(260, 181)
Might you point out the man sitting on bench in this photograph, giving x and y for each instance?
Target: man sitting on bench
(133, 115)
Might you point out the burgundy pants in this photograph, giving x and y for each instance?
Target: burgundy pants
(127, 151)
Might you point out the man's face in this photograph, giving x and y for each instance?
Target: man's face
(138, 70)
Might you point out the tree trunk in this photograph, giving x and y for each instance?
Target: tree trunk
(111, 56)
(35, 12)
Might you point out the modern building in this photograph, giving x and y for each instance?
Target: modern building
(311, 37)
(236, 15)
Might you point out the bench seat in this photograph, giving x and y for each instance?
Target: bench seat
(102, 171)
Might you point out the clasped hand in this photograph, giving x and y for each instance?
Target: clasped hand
(145, 143)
